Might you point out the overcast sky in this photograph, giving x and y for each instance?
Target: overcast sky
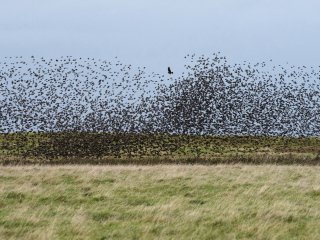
(157, 34)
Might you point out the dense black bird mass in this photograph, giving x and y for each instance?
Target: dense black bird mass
(53, 97)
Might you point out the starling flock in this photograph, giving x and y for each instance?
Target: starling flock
(54, 96)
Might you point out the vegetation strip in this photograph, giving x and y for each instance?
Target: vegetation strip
(141, 149)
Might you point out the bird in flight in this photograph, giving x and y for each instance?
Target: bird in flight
(169, 70)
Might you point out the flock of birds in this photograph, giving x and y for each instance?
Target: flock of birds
(214, 99)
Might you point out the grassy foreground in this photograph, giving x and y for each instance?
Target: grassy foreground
(160, 202)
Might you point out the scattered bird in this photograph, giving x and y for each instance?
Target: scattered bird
(169, 70)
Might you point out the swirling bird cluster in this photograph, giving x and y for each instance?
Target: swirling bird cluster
(52, 98)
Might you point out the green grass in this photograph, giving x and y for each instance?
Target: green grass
(160, 202)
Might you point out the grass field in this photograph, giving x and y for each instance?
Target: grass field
(160, 202)
(247, 187)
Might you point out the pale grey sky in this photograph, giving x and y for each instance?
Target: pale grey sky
(157, 34)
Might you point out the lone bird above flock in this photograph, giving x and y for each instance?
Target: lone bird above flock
(169, 70)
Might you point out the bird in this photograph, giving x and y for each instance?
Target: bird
(169, 70)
